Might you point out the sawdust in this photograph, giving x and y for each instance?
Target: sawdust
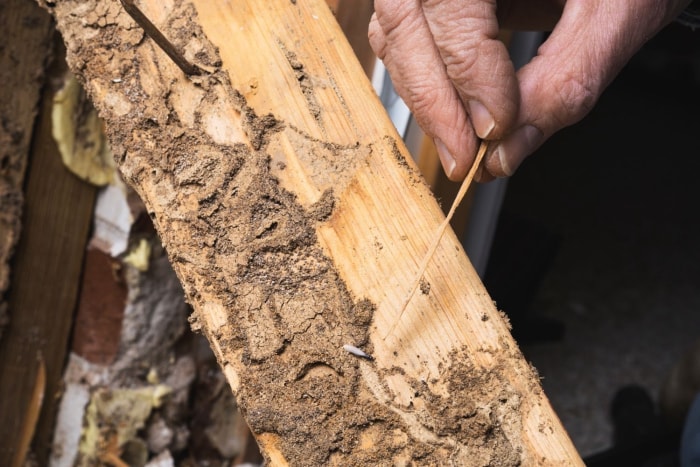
(328, 164)
(305, 83)
(323, 208)
(263, 291)
(424, 286)
(414, 175)
(480, 410)
(258, 129)
(481, 403)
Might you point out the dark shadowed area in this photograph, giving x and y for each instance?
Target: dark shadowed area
(611, 209)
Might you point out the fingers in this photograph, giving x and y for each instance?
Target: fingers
(476, 62)
(586, 50)
(401, 38)
(457, 79)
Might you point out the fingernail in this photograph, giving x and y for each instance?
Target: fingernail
(516, 147)
(481, 119)
(446, 157)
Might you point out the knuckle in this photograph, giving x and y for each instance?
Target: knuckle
(460, 66)
(423, 100)
(377, 40)
(432, 105)
(391, 13)
(479, 64)
(575, 97)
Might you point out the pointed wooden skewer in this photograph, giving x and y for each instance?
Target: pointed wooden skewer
(154, 33)
(440, 231)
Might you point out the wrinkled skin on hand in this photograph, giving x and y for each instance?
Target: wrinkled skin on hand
(456, 77)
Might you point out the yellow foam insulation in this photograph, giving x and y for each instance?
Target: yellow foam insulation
(79, 134)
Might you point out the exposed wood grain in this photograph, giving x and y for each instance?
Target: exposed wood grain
(296, 221)
(46, 273)
(353, 17)
(437, 237)
(23, 52)
(443, 188)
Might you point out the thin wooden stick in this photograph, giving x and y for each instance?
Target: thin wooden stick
(440, 231)
(154, 33)
(32, 414)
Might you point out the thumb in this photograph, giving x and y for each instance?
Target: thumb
(591, 43)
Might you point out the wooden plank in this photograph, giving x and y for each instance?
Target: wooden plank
(443, 188)
(23, 52)
(353, 17)
(296, 221)
(46, 274)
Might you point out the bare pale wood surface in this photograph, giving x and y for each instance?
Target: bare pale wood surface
(353, 17)
(437, 236)
(296, 222)
(443, 188)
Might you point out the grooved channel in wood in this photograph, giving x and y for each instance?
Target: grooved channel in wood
(295, 222)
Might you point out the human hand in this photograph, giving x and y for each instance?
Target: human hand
(456, 77)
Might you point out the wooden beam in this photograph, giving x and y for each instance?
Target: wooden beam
(353, 17)
(296, 222)
(23, 53)
(46, 276)
(38, 301)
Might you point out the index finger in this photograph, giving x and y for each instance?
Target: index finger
(401, 38)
